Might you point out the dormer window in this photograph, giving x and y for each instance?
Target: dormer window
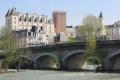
(31, 19)
(14, 18)
(36, 19)
(21, 18)
(41, 20)
(26, 18)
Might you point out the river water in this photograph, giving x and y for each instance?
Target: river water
(58, 75)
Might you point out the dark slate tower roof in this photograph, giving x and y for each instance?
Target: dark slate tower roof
(8, 13)
(101, 15)
(13, 11)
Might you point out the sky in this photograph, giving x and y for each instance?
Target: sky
(76, 9)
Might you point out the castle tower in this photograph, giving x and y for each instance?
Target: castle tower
(33, 29)
(12, 19)
(59, 18)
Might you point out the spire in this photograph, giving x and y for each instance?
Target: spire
(101, 15)
(8, 13)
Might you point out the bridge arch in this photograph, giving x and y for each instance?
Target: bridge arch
(25, 63)
(74, 60)
(46, 61)
(113, 61)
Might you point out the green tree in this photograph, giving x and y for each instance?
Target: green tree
(90, 28)
(8, 44)
(72, 39)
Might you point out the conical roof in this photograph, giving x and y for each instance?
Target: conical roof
(101, 15)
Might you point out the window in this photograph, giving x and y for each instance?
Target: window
(15, 27)
(41, 20)
(22, 23)
(29, 39)
(14, 18)
(15, 22)
(41, 28)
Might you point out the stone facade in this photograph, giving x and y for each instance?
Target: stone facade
(39, 29)
(113, 31)
(71, 31)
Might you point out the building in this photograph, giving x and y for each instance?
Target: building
(59, 18)
(113, 32)
(78, 35)
(103, 29)
(71, 31)
(34, 37)
(38, 29)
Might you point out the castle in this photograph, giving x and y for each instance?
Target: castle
(30, 29)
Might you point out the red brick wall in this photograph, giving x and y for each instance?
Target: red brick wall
(59, 19)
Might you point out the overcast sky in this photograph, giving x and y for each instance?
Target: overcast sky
(76, 9)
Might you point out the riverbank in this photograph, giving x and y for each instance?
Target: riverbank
(2, 71)
(57, 70)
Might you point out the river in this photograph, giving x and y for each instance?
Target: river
(58, 75)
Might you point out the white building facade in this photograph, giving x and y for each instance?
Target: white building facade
(37, 29)
(113, 32)
(71, 32)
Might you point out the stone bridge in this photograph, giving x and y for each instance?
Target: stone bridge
(70, 55)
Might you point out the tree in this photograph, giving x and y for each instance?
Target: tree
(91, 28)
(91, 24)
(8, 44)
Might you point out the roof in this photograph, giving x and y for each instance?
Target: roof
(59, 12)
(109, 26)
(115, 25)
(8, 13)
(13, 11)
(21, 33)
(101, 15)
